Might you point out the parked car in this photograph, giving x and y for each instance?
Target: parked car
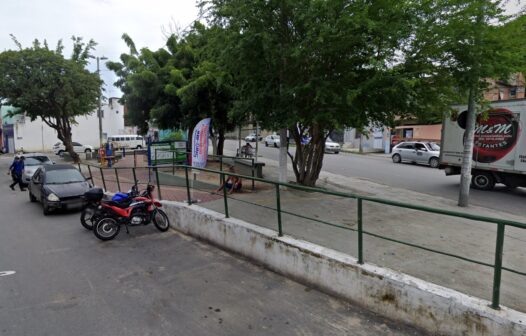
(252, 137)
(331, 146)
(272, 140)
(58, 187)
(33, 161)
(59, 148)
(417, 152)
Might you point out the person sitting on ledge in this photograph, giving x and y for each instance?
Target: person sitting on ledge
(232, 183)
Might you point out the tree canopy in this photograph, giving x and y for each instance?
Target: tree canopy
(40, 82)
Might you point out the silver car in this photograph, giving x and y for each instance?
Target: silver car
(417, 152)
(32, 162)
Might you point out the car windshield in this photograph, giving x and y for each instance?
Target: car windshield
(36, 160)
(433, 146)
(62, 176)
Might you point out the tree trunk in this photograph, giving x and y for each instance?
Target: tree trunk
(308, 160)
(283, 155)
(63, 128)
(467, 155)
(221, 142)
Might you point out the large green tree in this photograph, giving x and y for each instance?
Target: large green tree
(313, 66)
(41, 83)
(177, 85)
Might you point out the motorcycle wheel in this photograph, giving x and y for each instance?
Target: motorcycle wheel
(160, 220)
(106, 229)
(87, 217)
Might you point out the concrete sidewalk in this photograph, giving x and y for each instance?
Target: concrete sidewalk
(466, 238)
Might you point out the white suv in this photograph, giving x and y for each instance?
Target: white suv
(59, 148)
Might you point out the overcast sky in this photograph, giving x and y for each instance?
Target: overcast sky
(102, 20)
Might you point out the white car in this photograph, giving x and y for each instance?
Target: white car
(331, 146)
(252, 137)
(59, 148)
(272, 140)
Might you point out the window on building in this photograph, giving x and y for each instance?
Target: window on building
(513, 92)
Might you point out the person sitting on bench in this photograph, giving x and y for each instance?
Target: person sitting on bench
(232, 183)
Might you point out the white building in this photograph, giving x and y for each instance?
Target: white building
(376, 139)
(36, 136)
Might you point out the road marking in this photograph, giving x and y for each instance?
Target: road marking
(4, 273)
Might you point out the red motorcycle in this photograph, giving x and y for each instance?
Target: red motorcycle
(141, 211)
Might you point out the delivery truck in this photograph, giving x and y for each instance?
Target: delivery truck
(499, 152)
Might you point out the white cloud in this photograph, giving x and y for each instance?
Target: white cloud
(102, 20)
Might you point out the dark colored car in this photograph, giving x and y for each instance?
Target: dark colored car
(58, 187)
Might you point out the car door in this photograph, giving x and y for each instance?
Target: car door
(78, 147)
(407, 151)
(36, 184)
(421, 153)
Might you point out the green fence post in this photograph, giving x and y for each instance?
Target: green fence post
(158, 184)
(173, 162)
(278, 207)
(221, 176)
(225, 198)
(90, 174)
(498, 267)
(102, 177)
(134, 177)
(253, 182)
(117, 178)
(187, 185)
(360, 232)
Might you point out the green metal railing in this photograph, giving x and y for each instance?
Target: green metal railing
(221, 159)
(501, 223)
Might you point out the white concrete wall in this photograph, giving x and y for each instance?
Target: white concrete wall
(395, 295)
(37, 136)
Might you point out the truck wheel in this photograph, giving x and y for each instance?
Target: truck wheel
(483, 180)
(433, 162)
(397, 158)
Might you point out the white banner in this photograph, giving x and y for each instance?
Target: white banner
(200, 143)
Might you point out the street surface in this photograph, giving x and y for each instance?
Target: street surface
(380, 169)
(57, 279)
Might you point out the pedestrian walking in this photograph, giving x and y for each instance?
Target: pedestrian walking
(12, 167)
(16, 169)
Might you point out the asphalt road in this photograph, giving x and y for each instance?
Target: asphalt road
(57, 279)
(381, 169)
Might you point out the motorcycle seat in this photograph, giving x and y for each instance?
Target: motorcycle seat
(121, 204)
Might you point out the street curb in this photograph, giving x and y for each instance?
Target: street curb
(398, 296)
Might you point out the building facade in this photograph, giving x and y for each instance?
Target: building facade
(31, 136)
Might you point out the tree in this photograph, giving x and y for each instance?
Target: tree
(313, 66)
(41, 83)
(178, 85)
(475, 42)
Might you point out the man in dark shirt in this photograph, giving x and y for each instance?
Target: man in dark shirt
(16, 169)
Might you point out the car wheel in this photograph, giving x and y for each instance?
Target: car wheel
(60, 152)
(434, 162)
(87, 150)
(482, 180)
(397, 158)
(275, 145)
(31, 197)
(266, 144)
(139, 147)
(337, 152)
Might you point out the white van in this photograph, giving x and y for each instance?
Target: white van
(127, 141)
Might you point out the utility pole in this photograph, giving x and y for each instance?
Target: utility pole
(99, 110)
